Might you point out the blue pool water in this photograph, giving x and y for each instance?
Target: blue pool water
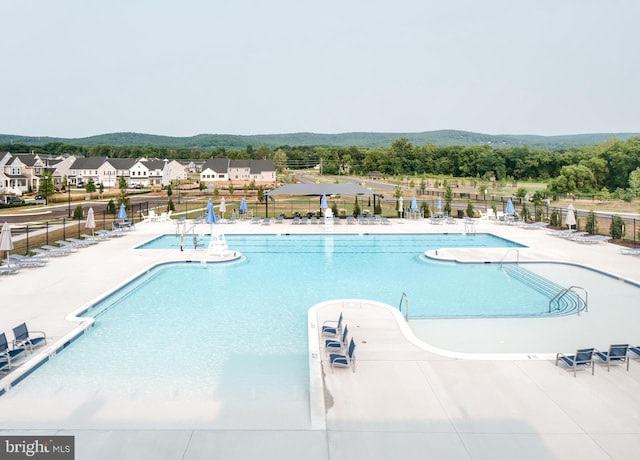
(238, 330)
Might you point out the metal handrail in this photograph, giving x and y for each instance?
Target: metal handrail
(507, 253)
(406, 306)
(564, 292)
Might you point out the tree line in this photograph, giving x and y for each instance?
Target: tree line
(610, 167)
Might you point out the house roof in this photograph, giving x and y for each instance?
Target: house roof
(88, 162)
(121, 164)
(219, 165)
(321, 189)
(258, 166)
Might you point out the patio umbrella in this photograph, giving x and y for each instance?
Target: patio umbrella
(439, 203)
(510, 209)
(91, 221)
(211, 215)
(571, 217)
(122, 213)
(222, 208)
(6, 243)
(243, 206)
(414, 204)
(323, 202)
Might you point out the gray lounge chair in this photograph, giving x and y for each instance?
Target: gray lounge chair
(616, 354)
(25, 339)
(582, 358)
(27, 262)
(344, 360)
(7, 354)
(9, 269)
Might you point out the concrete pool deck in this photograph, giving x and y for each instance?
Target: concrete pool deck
(404, 401)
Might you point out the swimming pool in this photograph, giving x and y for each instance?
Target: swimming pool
(237, 332)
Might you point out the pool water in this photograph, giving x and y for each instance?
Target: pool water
(237, 331)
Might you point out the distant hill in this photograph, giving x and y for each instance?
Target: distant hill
(228, 141)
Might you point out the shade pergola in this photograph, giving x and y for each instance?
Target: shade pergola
(321, 189)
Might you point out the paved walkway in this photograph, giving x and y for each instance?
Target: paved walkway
(404, 400)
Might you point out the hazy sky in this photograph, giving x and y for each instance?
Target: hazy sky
(76, 68)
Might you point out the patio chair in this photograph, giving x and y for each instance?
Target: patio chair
(616, 354)
(344, 360)
(333, 345)
(7, 354)
(24, 339)
(582, 358)
(27, 262)
(51, 251)
(635, 351)
(328, 328)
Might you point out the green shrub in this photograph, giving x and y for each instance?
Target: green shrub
(78, 213)
(591, 226)
(617, 228)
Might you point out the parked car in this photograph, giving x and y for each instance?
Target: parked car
(137, 186)
(40, 197)
(10, 199)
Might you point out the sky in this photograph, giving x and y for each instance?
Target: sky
(78, 68)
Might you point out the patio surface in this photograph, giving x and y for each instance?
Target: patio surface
(407, 399)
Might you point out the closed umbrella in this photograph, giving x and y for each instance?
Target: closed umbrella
(510, 209)
(414, 204)
(122, 213)
(222, 208)
(211, 215)
(91, 221)
(571, 217)
(323, 202)
(439, 203)
(401, 206)
(6, 243)
(243, 206)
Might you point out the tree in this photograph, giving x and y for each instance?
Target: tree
(90, 187)
(122, 183)
(448, 197)
(46, 186)
(78, 213)
(634, 181)
(231, 188)
(169, 190)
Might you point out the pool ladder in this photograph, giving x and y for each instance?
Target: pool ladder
(406, 306)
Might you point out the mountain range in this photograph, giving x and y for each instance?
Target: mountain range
(360, 139)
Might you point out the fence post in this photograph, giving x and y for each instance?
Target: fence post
(27, 232)
(64, 228)
(46, 232)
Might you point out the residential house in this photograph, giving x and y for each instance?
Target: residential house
(173, 171)
(155, 168)
(85, 168)
(112, 169)
(215, 170)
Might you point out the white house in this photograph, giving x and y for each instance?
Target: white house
(215, 170)
(173, 170)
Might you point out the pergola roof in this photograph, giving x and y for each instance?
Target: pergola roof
(321, 189)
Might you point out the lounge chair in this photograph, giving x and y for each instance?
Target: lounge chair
(266, 221)
(635, 351)
(592, 239)
(616, 354)
(332, 328)
(7, 354)
(27, 262)
(75, 242)
(344, 360)
(51, 251)
(280, 220)
(582, 358)
(23, 338)
(295, 221)
(70, 244)
(255, 220)
(333, 345)
(110, 233)
(58, 249)
(386, 221)
(630, 251)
